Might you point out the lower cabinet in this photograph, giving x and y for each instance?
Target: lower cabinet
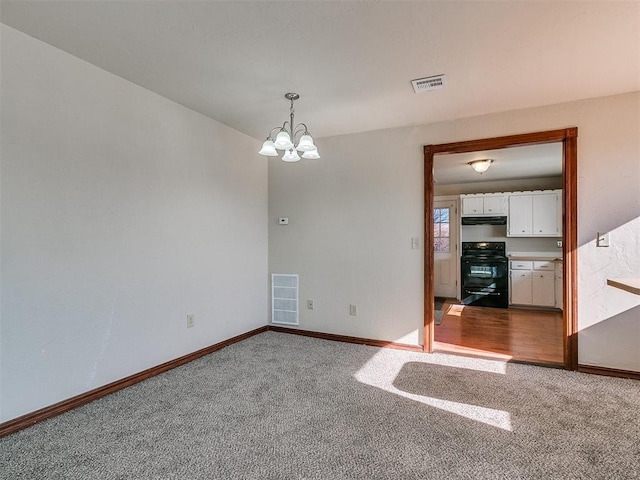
(544, 288)
(521, 288)
(559, 286)
(532, 283)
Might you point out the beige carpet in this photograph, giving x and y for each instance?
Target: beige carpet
(279, 406)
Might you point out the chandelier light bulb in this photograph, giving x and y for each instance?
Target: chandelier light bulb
(311, 154)
(268, 149)
(291, 156)
(283, 141)
(306, 143)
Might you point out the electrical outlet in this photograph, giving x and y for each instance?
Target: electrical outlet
(353, 310)
(559, 244)
(310, 304)
(191, 320)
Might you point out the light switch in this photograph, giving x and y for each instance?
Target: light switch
(602, 240)
(283, 221)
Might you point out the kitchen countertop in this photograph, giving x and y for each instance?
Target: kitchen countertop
(548, 256)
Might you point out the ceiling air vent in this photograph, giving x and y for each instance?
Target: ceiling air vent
(428, 83)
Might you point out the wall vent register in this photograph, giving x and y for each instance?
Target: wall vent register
(284, 299)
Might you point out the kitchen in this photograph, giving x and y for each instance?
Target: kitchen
(498, 253)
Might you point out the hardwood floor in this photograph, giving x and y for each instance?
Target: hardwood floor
(509, 334)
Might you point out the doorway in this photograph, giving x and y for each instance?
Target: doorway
(445, 232)
(568, 138)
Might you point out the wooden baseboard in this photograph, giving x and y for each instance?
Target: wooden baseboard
(343, 338)
(32, 418)
(45, 413)
(609, 372)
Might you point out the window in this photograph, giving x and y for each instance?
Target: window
(441, 230)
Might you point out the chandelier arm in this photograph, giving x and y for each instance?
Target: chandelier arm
(271, 132)
(306, 129)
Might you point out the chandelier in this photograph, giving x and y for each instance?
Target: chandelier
(286, 138)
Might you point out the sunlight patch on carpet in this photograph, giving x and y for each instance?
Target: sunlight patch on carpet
(383, 368)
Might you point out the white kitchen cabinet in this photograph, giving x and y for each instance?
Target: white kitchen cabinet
(520, 217)
(535, 214)
(472, 205)
(543, 288)
(495, 204)
(547, 214)
(487, 204)
(521, 291)
(532, 283)
(559, 285)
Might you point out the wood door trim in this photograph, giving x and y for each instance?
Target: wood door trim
(568, 136)
(494, 143)
(570, 249)
(429, 260)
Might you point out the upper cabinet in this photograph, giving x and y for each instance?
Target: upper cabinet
(535, 214)
(484, 204)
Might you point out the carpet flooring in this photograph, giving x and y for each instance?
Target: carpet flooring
(280, 406)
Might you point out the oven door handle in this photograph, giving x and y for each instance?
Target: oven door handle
(494, 294)
(483, 261)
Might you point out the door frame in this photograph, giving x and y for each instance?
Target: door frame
(569, 139)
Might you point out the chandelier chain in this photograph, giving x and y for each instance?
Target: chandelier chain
(291, 115)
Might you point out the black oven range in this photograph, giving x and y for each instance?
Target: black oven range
(485, 274)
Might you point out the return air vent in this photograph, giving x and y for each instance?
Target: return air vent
(426, 84)
(284, 299)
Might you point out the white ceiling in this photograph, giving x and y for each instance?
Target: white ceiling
(351, 62)
(514, 163)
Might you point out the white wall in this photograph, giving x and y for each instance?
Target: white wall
(351, 219)
(352, 215)
(121, 213)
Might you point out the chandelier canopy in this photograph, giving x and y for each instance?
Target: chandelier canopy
(286, 138)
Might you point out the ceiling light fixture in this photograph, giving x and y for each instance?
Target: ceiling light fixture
(481, 165)
(286, 138)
